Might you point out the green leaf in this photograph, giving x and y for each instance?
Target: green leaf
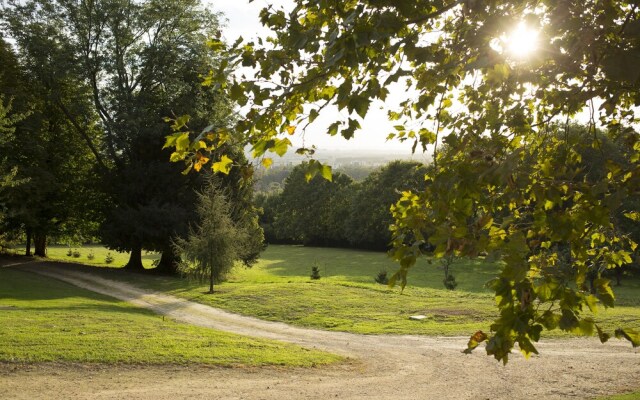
(223, 166)
(183, 142)
(630, 334)
(526, 347)
(325, 171)
(171, 140)
(592, 303)
(633, 215)
(333, 128)
(281, 146)
(602, 335)
(604, 292)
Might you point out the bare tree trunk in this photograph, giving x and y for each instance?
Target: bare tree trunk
(135, 259)
(40, 242)
(211, 281)
(28, 249)
(168, 263)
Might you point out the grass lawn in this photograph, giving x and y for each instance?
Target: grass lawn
(346, 298)
(99, 256)
(626, 396)
(42, 319)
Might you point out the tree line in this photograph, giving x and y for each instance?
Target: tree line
(341, 212)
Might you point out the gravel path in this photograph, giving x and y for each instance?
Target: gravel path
(381, 367)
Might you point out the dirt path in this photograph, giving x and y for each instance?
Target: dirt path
(383, 367)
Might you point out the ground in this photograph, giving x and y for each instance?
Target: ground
(382, 367)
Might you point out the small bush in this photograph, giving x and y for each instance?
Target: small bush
(450, 282)
(76, 254)
(91, 256)
(69, 252)
(315, 272)
(382, 278)
(109, 258)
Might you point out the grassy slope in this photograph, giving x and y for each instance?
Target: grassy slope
(47, 320)
(346, 298)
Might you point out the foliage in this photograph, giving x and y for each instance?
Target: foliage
(497, 184)
(312, 213)
(76, 253)
(315, 272)
(108, 258)
(367, 224)
(56, 194)
(382, 277)
(216, 241)
(91, 256)
(113, 74)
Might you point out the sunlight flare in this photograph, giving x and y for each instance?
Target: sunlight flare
(521, 42)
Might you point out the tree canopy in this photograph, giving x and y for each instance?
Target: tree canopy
(111, 77)
(506, 180)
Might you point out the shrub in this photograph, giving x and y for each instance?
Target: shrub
(450, 282)
(69, 252)
(382, 278)
(76, 254)
(109, 258)
(315, 272)
(91, 256)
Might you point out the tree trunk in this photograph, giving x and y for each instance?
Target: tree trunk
(211, 282)
(135, 259)
(28, 250)
(40, 242)
(168, 263)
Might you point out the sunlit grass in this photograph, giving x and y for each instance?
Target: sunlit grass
(42, 319)
(99, 252)
(346, 297)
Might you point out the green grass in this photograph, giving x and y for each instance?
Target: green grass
(346, 298)
(42, 319)
(626, 396)
(99, 252)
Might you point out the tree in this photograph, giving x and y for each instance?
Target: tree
(137, 63)
(313, 213)
(369, 219)
(51, 162)
(216, 242)
(494, 109)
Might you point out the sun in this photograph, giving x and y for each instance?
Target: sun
(521, 42)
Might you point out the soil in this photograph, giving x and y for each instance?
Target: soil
(379, 367)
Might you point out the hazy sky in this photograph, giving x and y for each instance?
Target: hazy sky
(243, 21)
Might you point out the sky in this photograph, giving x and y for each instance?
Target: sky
(243, 20)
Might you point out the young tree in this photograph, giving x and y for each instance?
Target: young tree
(216, 242)
(469, 84)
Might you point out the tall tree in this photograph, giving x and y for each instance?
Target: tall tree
(369, 219)
(313, 213)
(140, 62)
(50, 160)
(469, 84)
